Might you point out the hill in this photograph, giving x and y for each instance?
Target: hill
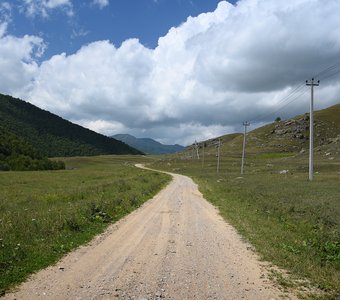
(17, 155)
(148, 145)
(293, 135)
(286, 136)
(52, 136)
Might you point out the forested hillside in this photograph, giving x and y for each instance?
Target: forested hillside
(52, 136)
(17, 155)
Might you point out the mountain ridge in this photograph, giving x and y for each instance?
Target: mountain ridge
(148, 145)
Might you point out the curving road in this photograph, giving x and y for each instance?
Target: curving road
(176, 246)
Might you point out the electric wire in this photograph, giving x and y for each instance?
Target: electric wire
(290, 100)
(331, 75)
(330, 68)
(299, 90)
(281, 102)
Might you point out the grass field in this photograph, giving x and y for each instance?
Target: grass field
(44, 215)
(291, 222)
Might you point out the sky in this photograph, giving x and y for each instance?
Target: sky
(173, 70)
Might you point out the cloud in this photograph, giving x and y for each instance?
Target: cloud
(5, 12)
(79, 33)
(17, 63)
(101, 3)
(43, 8)
(204, 78)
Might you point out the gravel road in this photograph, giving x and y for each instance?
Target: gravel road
(176, 246)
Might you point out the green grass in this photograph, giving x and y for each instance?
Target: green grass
(274, 155)
(292, 222)
(44, 215)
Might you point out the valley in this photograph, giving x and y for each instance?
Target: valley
(176, 246)
(272, 210)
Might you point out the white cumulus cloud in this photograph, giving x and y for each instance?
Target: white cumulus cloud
(17, 62)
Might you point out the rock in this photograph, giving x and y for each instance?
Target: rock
(289, 122)
(159, 294)
(281, 131)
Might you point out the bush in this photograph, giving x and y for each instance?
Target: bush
(25, 163)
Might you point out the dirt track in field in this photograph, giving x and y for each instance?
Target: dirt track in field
(176, 246)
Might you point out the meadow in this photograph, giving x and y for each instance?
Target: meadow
(46, 214)
(291, 222)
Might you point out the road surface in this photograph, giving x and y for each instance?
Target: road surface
(176, 246)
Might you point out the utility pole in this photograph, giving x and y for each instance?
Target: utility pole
(245, 124)
(311, 83)
(218, 155)
(197, 150)
(203, 145)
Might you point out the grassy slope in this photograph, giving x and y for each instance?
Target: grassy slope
(327, 125)
(331, 114)
(43, 215)
(290, 221)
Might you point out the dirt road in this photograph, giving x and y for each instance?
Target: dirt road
(176, 246)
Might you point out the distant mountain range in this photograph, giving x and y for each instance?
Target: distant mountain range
(50, 135)
(147, 145)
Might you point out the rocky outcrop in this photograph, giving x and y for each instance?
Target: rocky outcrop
(293, 129)
(298, 130)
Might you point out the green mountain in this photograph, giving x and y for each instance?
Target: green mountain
(50, 135)
(17, 155)
(147, 145)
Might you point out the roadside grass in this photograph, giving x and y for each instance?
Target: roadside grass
(291, 222)
(44, 215)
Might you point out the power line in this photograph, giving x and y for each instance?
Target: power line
(286, 101)
(330, 68)
(293, 95)
(323, 78)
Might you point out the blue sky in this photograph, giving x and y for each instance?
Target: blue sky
(68, 28)
(146, 68)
